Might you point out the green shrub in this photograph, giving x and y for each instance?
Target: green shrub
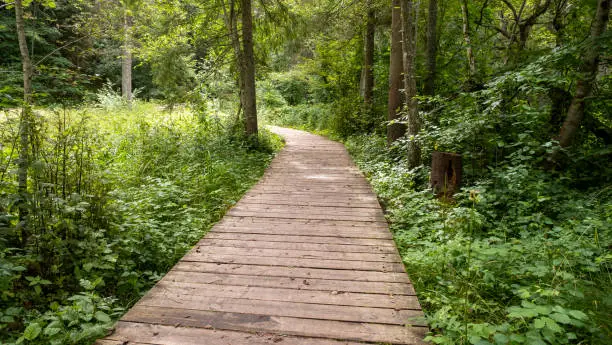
(118, 195)
(521, 257)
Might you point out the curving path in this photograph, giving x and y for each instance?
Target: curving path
(304, 258)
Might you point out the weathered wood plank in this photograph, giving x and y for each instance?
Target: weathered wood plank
(296, 262)
(356, 232)
(344, 248)
(328, 223)
(283, 215)
(293, 272)
(342, 298)
(356, 331)
(329, 285)
(299, 238)
(311, 210)
(178, 299)
(136, 333)
(299, 254)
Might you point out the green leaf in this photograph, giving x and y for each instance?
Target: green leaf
(102, 316)
(552, 325)
(561, 318)
(577, 314)
(543, 309)
(501, 339)
(53, 328)
(518, 312)
(7, 319)
(32, 331)
(539, 323)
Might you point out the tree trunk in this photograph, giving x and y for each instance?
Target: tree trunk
(24, 124)
(468, 45)
(446, 172)
(232, 28)
(395, 130)
(410, 91)
(249, 101)
(126, 58)
(432, 47)
(367, 74)
(584, 86)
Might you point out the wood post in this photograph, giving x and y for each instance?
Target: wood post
(445, 173)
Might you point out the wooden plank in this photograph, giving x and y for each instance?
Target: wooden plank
(306, 254)
(175, 298)
(136, 333)
(303, 223)
(281, 215)
(284, 325)
(270, 200)
(122, 342)
(305, 231)
(356, 198)
(299, 238)
(345, 248)
(293, 272)
(316, 186)
(320, 192)
(296, 262)
(309, 180)
(385, 288)
(347, 181)
(311, 210)
(338, 298)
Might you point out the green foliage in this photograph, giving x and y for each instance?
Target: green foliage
(86, 318)
(521, 257)
(117, 196)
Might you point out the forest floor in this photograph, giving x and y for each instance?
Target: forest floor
(306, 256)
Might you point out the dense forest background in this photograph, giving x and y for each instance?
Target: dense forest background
(136, 135)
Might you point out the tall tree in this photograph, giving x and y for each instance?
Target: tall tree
(367, 73)
(244, 58)
(126, 52)
(248, 69)
(588, 69)
(25, 122)
(432, 46)
(395, 130)
(409, 35)
(471, 62)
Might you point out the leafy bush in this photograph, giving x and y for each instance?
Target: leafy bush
(520, 257)
(117, 197)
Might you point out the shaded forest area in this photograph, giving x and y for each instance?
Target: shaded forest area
(139, 129)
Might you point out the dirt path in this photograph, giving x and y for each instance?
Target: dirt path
(305, 257)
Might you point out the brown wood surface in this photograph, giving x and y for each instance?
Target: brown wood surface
(305, 257)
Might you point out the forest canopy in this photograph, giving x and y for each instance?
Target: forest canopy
(121, 119)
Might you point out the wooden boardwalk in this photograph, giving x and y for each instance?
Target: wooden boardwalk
(304, 258)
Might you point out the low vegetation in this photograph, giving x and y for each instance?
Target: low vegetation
(120, 195)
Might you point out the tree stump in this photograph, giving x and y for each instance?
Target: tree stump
(445, 173)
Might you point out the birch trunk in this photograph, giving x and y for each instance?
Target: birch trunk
(126, 59)
(24, 124)
(471, 62)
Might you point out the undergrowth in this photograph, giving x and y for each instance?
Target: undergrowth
(118, 195)
(519, 257)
